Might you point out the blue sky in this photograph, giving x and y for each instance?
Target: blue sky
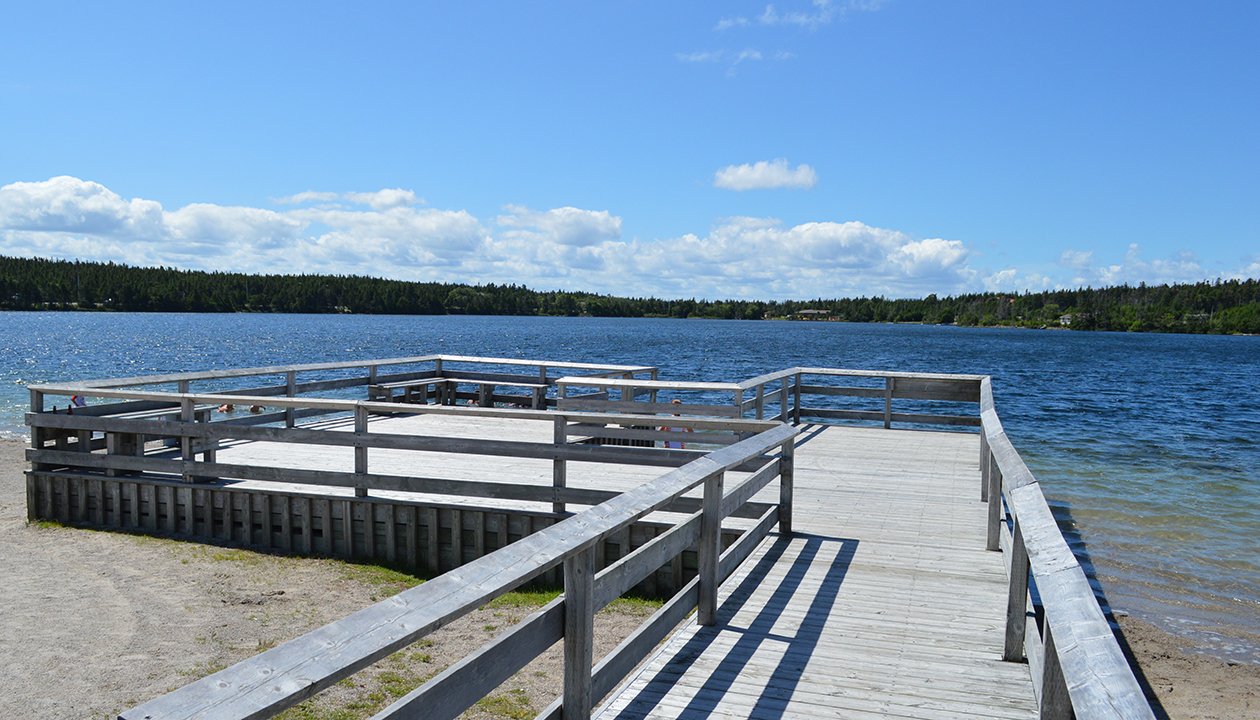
(740, 149)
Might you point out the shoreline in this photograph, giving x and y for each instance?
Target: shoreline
(1182, 682)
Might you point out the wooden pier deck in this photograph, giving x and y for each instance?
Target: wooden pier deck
(883, 604)
(834, 570)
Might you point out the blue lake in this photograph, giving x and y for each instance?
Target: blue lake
(1147, 445)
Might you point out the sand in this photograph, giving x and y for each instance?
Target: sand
(96, 622)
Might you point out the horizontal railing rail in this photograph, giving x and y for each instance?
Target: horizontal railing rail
(784, 389)
(1077, 666)
(188, 441)
(288, 673)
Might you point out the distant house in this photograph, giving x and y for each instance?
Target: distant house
(1066, 320)
(811, 315)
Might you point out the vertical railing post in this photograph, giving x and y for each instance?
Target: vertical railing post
(37, 433)
(290, 381)
(360, 450)
(710, 549)
(796, 401)
(993, 541)
(888, 394)
(1016, 599)
(787, 462)
(761, 401)
(739, 404)
(558, 470)
(37, 444)
(1055, 703)
(984, 464)
(579, 631)
(186, 416)
(783, 402)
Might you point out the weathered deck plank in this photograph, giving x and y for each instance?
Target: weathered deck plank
(884, 604)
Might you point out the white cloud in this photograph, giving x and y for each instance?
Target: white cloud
(732, 58)
(563, 226)
(385, 234)
(1076, 258)
(379, 199)
(68, 204)
(702, 56)
(1250, 270)
(731, 22)
(765, 175)
(1135, 269)
(72, 218)
(760, 257)
(819, 13)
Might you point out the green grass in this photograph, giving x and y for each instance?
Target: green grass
(636, 604)
(525, 598)
(513, 704)
(380, 576)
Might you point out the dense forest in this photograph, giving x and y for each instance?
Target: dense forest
(1231, 306)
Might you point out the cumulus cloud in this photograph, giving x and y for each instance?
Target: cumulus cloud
(807, 260)
(564, 226)
(765, 174)
(379, 199)
(1076, 258)
(386, 234)
(73, 218)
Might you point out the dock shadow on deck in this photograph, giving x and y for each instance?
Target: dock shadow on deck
(845, 618)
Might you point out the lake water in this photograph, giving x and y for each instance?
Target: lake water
(1147, 445)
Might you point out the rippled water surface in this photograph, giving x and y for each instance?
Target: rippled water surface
(1148, 445)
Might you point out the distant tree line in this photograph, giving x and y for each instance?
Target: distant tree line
(1221, 306)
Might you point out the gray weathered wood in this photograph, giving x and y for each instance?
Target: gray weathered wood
(710, 548)
(579, 633)
(1017, 599)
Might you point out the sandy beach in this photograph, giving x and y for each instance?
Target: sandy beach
(95, 622)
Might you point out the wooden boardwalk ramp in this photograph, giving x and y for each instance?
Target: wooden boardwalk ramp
(883, 604)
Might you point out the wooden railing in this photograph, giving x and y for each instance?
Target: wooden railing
(267, 683)
(784, 390)
(1077, 666)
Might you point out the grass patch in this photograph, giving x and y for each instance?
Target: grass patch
(201, 670)
(525, 598)
(380, 576)
(636, 605)
(513, 704)
(236, 555)
(369, 691)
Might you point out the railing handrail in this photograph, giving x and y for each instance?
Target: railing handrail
(1083, 671)
(333, 405)
(292, 671)
(344, 364)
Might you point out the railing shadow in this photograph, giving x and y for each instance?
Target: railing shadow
(793, 651)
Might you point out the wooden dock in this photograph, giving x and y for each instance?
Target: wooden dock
(909, 571)
(882, 604)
